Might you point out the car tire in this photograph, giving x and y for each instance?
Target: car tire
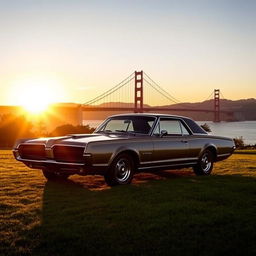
(51, 175)
(121, 171)
(205, 163)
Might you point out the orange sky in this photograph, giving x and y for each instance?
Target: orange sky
(71, 51)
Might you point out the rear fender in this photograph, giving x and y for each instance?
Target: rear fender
(209, 146)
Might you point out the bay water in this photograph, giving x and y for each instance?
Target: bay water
(246, 129)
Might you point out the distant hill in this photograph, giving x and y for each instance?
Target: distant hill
(244, 109)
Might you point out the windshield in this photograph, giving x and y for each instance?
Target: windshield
(127, 124)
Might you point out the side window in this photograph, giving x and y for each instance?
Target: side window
(184, 129)
(171, 126)
(150, 123)
(157, 130)
(130, 127)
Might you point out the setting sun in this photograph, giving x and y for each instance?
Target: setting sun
(36, 99)
(36, 94)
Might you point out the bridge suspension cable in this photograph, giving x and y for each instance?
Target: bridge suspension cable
(209, 96)
(112, 90)
(221, 94)
(160, 89)
(166, 94)
(172, 98)
(124, 93)
(130, 95)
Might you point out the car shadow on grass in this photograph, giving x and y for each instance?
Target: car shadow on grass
(176, 215)
(97, 182)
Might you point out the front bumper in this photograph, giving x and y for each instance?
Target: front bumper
(64, 167)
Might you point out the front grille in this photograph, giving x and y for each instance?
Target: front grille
(68, 154)
(34, 152)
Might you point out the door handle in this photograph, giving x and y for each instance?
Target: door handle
(184, 141)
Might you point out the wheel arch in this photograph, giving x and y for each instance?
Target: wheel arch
(211, 148)
(131, 152)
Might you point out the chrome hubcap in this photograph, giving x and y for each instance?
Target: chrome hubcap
(123, 170)
(206, 162)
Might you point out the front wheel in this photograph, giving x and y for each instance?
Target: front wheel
(121, 171)
(53, 175)
(205, 164)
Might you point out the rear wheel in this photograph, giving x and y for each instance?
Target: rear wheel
(50, 174)
(205, 163)
(121, 171)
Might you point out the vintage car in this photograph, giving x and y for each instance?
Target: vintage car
(125, 144)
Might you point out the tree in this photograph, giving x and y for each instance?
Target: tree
(12, 128)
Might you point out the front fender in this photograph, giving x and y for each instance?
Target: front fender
(122, 149)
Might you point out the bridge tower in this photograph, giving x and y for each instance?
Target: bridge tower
(138, 93)
(216, 105)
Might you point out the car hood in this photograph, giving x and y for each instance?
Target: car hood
(75, 139)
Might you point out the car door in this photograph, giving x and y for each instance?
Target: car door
(171, 142)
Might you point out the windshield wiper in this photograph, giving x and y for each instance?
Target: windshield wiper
(129, 132)
(117, 131)
(104, 131)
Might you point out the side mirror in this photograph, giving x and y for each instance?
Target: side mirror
(163, 133)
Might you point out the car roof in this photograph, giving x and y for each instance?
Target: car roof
(193, 126)
(149, 114)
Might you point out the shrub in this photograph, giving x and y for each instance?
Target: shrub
(239, 142)
(206, 127)
(71, 129)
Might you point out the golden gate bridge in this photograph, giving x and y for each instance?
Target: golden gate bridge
(138, 87)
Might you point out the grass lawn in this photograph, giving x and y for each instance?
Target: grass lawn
(168, 213)
(245, 151)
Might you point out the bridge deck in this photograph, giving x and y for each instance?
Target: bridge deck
(150, 109)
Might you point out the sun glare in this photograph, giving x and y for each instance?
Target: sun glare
(35, 100)
(35, 95)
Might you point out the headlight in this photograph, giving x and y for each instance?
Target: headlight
(18, 142)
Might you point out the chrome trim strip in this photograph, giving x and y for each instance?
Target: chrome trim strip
(32, 144)
(100, 165)
(166, 166)
(147, 153)
(67, 145)
(226, 154)
(47, 161)
(171, 160)
(87, 154)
